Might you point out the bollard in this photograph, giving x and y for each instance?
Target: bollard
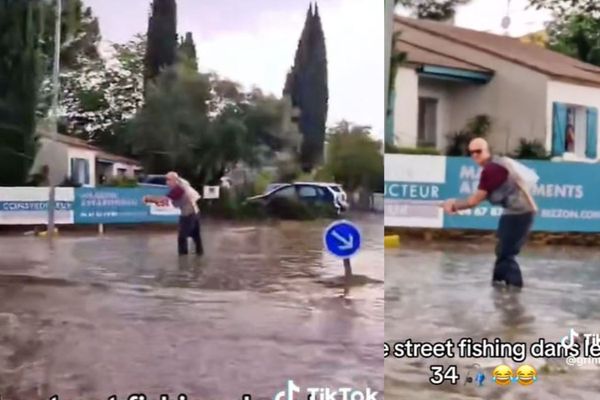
(347, 277)
(347, 268)
(101, 229)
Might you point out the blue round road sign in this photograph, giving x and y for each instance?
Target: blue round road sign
(342, 239)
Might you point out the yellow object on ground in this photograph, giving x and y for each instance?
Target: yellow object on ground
(45, 233)
(391, 241)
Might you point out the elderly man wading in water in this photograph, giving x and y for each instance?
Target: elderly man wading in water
(502, 185)
(184, 197)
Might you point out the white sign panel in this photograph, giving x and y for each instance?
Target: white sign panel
(29, 205)
(408, 178)
(211, 192)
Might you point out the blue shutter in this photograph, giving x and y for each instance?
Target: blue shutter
(559, 128)
(591, 137)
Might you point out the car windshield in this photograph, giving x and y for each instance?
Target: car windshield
(272, 187)
(335, 188)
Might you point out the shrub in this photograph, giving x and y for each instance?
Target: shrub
(323, 174)
(262, 181)
(532, 150)
(122, 182)
(417, 150)
(305, 177)
(458, 142)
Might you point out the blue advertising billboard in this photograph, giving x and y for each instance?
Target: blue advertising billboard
(567, 194)
(120, 205)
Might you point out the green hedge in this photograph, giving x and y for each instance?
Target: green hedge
(121, 182)
(391, 149)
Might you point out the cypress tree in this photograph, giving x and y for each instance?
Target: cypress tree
(20, 74)
(161, 51)
(187, 51)
(307, 87)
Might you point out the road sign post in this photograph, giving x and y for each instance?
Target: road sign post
(342, 239)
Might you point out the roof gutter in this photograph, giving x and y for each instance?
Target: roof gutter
(455, 74)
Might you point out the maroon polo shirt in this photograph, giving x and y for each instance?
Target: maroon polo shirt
(176, 193)
(492, 177)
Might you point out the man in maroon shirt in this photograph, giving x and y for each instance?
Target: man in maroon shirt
(500, 185)
(189, 221)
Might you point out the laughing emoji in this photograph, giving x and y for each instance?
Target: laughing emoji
(526, 375)
(502, 375)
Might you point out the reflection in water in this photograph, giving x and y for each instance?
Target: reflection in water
(436, 294)
(121, 313)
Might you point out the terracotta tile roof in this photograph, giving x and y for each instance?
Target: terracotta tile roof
(550, 63)
(76, 142)
(420, 55)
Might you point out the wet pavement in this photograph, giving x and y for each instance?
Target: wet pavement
(122, 314)
(436, 293)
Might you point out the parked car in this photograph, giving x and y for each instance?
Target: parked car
(307, 192)
(272, 186)
(338, 190)
(152, 181)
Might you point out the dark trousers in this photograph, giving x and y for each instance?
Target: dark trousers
(189, 227)
(512, 234)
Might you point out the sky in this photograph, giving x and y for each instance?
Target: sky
(254, 42)
(487, 15)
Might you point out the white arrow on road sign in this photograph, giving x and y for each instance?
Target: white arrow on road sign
(347, 244)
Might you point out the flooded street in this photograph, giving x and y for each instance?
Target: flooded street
(121, 314)
(436, 293)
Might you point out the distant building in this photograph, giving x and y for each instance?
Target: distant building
(83, 163)
(453, 74)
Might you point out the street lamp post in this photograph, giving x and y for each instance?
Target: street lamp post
(54, 115)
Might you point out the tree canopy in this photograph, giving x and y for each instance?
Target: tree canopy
(21, 66)
(307, 87)
(354, 158)
(576, 35)
(438, 10)
(162, 43)
(561, 7)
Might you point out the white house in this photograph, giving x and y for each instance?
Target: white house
(453, 74)
(82, 162)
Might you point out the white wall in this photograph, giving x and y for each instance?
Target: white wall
(406, 107)
(573, 94)
(515, 98)
(55, 156)
(90, 155)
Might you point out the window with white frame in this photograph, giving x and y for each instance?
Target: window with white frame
(574, 130)
(427, 124)
(80, 171)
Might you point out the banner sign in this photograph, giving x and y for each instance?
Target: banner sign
(120, 205)
(29, 205)
(568, 194)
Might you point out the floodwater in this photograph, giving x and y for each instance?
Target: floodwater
(436, 293)
(122, 314)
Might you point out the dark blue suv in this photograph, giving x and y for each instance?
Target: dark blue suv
(308, 193)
